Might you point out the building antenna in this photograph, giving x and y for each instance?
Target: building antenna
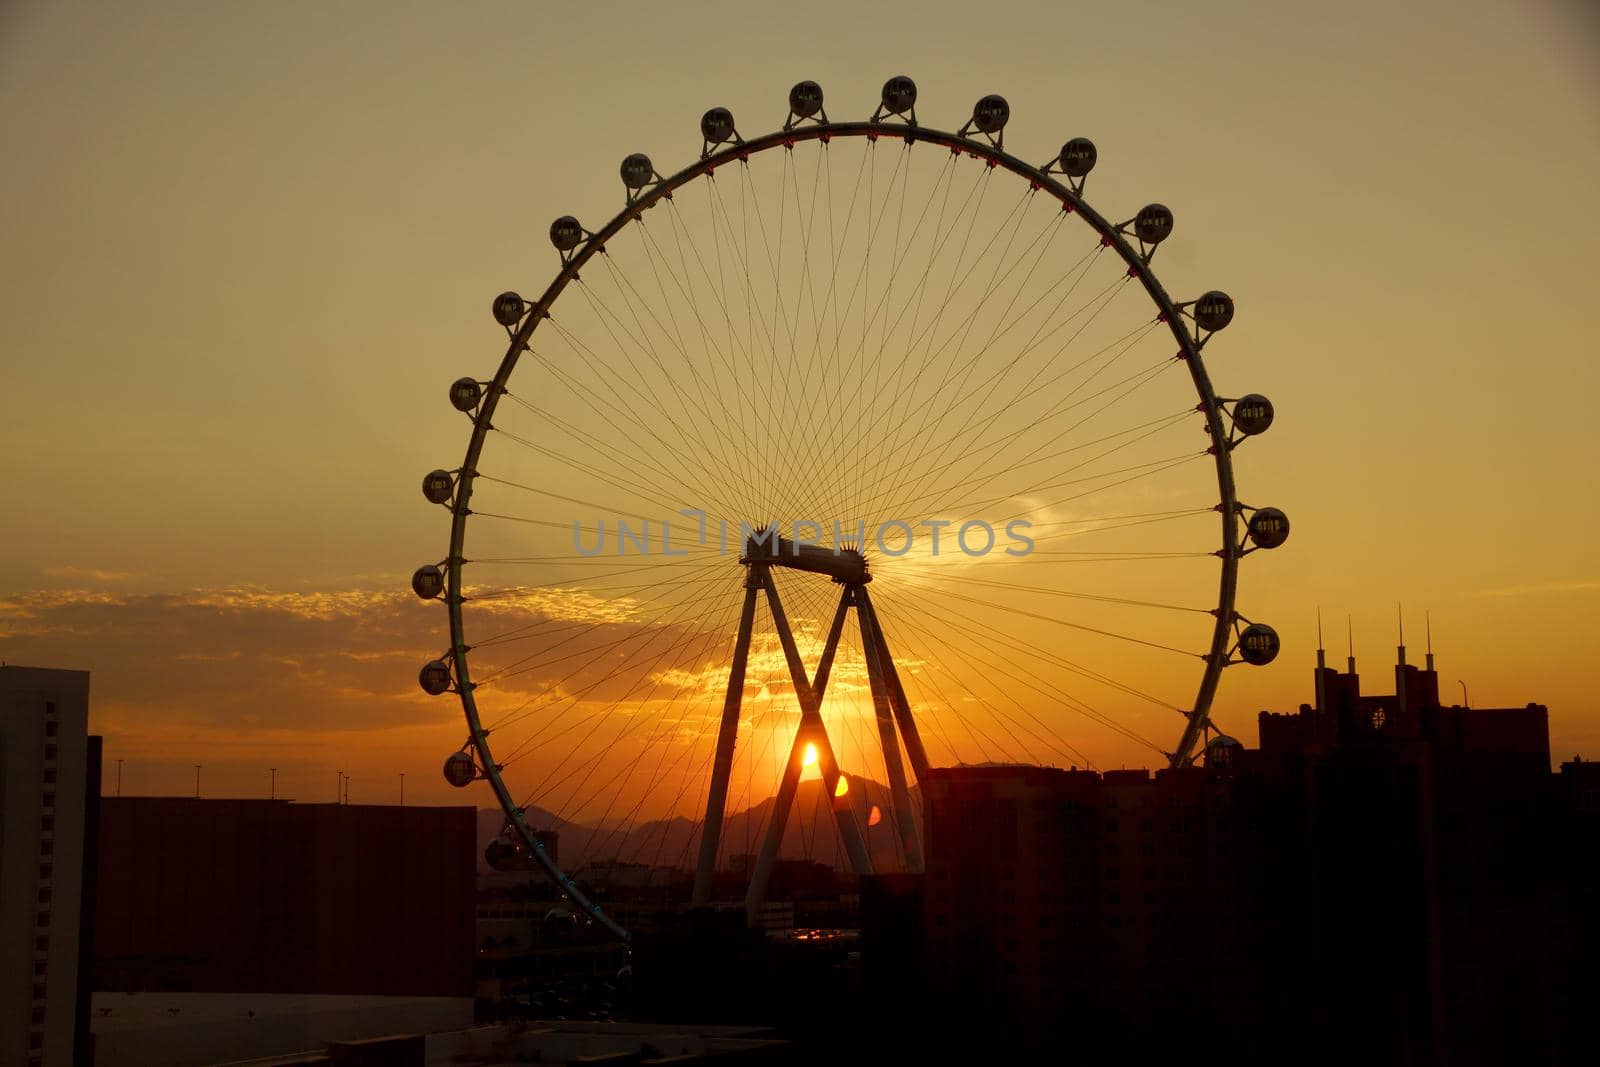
(1322, 664)
(1400, 613)
(1350, 636)
(1427, 621)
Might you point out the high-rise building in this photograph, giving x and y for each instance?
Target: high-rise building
(270, 896)
(44, 791)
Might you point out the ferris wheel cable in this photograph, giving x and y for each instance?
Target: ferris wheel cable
(704, 411)
(605, 508)
(687, 292)
(1003, 719)
(1062, 746)
(505, 673)
(1141, 471)
(894, 417)
(898, 258)
(509, 592)
(930, 607)
(991, 453)
(945, 495)
(938, 238)
(927, 605)
(522, 711)
(626, 412)
(1154, 516)
(694, 420)
(516, 668)
(773, 413)
(622, 731)
(575, 699)
(522, 632)
(975, 427)
(882, 471)
(928, 573)
(838, 407)
(1146, 434)
(963, 329)
(578, 465)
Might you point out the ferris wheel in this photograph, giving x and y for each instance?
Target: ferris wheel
(843, 451)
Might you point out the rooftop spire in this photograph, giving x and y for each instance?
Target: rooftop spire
(1322, 656)
(1427, 621)
(1350, 636)
(1401, 615)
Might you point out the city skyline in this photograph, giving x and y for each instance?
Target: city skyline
(235, 428)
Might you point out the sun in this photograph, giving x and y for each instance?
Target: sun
(810, 758)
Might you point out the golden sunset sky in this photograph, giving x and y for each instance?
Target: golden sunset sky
(247, 246)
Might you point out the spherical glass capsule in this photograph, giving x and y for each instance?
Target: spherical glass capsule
(637, 170)
(805, 99)
(1268, 528)
(1153, 224)
(1220, 751)
(991, 114)
(503, 854)
(899, 93)
(434, 677)
(566, 233)
(460, 770)
(438, 486)
(508, 309)
(1252, 414)
(1258, 644)
(1213, 311)
(716, 125)
(1078, 157)
(465, 394)
(428, 581)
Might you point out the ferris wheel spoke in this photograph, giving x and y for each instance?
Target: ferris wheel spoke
(955, 342)
(961, 494)
(929, 607)
(995, 449)
(973, 427)
(710, 635)
(694, 419)
(574, 699)
(693, 469)
(1032, 680)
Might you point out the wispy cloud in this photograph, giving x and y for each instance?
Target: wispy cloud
(1580, 585)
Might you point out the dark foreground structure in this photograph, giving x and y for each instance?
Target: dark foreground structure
(1385, 880)
(269, 896)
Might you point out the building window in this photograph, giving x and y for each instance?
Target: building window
(49, 776)
(50, 752)
(41, 943)
(47, 823)
(44, 895)
(50, 728)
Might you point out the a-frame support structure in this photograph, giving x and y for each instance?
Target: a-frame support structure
(892, 711)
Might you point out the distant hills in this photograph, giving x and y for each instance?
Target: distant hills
(810, 834)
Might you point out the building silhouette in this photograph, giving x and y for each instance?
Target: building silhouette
(270, 896)
(49, 782)
(1384, 879)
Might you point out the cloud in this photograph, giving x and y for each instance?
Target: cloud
(88, 574)
(1581, 585)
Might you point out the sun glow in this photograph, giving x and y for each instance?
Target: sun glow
(810, 758)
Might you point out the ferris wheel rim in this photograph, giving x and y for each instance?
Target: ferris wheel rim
(1072, 200)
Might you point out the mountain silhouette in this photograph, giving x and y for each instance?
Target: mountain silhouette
(811, 833)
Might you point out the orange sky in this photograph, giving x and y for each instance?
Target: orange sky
(248, 246)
